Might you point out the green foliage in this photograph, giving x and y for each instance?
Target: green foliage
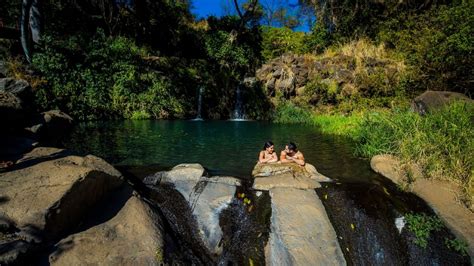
(277, 41)
(422, 225)
(457, 245)
(338, 124)
(438, 43)
(288, 112)
(101, 77)
(222, 47)
(440, 142)
(318, 40)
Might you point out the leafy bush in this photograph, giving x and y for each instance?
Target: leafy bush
(438, 43)
(102, 77)
(457, 245)
(422, 225)
(277, 41)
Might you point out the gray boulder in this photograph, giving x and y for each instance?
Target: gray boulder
(134, 236)
(18, 87)
(50, 191)
(51, 127)
(432, 100)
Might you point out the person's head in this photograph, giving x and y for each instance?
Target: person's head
(268, 146)
(291, 148)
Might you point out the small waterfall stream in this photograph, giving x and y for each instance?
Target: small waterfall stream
(238, 113)
(199, 105)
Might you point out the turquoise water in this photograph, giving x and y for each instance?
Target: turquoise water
(223, 147)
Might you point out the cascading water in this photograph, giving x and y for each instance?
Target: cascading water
(199, 106)
(238, 113)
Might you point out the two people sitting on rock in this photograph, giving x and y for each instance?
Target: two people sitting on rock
(289, 155)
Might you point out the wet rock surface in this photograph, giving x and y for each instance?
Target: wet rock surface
(301, 233)
(206, 198)
(364, 217)
(440, 195)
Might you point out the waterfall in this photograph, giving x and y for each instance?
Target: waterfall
(238, 109)
(199, 106)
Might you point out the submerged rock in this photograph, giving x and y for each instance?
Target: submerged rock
(134, 236)
(301, 233)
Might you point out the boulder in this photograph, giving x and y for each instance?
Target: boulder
(18, 87)
(12, 113)
(51, 127)
(301, 233)
(134, 236)
(49, 190)
(432, 100)
(388, 166)
(289, 175)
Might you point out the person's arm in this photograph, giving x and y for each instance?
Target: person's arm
(283, 158)
(261, 157)
(300, 159)
(273, 158)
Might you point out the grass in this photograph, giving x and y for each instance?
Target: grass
(337, 124)
(441, 143)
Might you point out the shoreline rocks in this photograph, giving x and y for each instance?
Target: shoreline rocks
(441, 196)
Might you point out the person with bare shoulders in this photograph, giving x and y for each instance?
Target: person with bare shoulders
(268, 154)
(291, 155)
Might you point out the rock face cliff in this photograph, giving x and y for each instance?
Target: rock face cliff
(331, 77)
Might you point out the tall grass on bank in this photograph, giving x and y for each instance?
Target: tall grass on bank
(442, 142)
(336, 124)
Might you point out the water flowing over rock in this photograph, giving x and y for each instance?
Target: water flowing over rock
(440, 195)
(206, 198)
(134, 236)
(301, 233)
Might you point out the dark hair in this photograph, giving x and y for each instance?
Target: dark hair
(292, 146)
(267, 144)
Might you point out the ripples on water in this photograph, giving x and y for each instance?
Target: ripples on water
(223, 147)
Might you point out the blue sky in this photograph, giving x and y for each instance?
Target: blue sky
(205, 8)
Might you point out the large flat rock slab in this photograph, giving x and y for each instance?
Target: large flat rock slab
(134, 236)
(50, 190)
(301, 233)
(290, 175)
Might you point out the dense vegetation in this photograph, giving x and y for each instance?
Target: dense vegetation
(109, 59)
